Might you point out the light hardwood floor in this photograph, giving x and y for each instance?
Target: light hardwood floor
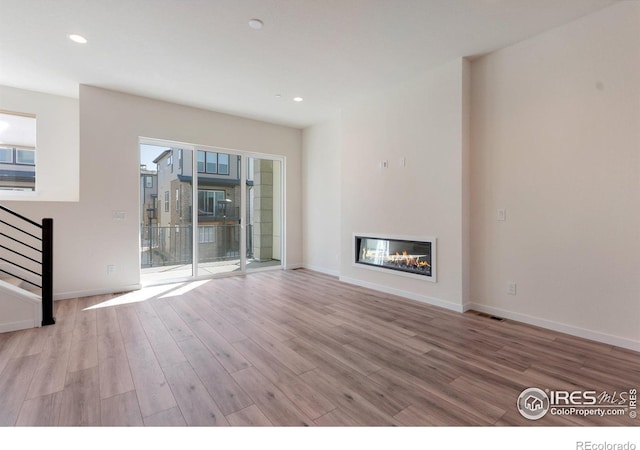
(292, 348)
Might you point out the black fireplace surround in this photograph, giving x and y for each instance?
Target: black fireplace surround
(408, 256)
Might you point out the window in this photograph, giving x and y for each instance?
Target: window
(26, 157)
(206, 234)
(212, 162)
(208, 202)
(18, 151)
(148, 181)
(223, 164)
(201, 159)
(177, 200)
(166, 201)
(6, 155)
(250, 164)
(170, 161)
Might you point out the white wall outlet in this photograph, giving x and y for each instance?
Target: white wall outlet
(403, 161)
(511, 287)
(502, 215)
(119, 215)
(385, 164)
(111, 269)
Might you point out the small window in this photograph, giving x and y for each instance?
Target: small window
(212, 162)
(170, 161)
(201, 161)
(148, 181)
(206, 234)
(177, 200)
(26, 157)
(166, 201)
(6, 155)
(223, 164)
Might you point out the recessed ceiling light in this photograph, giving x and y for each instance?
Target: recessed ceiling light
(78, 39)
(256, 24)
(297, 99)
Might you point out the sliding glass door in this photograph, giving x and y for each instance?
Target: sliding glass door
(166, 222)
(219, 215)
(207, 211)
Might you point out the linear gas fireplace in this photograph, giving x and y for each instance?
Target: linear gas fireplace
(410, 256)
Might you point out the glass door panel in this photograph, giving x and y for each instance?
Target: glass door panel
(194, 204)
(166, 226)
(264, 213)
(219, 212)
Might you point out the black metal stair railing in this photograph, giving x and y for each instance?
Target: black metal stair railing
(41, 235)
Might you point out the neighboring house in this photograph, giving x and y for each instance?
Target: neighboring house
(217, 202)
(17, 169)
(148, 196)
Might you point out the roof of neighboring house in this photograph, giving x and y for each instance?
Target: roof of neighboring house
(162, 156)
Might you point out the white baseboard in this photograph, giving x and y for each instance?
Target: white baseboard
(557, 326)
(410, 295)
(20, 325)
(333, 273)
(20, 294)
(90, 292)
(293, 266)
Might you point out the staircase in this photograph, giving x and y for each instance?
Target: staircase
(17, 282)
(26, 273)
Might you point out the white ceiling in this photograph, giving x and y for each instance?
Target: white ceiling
(203, 53)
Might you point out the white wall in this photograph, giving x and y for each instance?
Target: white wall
(321, 196)
(57, 145)
(422, 121)
(87, 239)
(556, 141)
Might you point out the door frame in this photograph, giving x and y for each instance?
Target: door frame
(243, 158)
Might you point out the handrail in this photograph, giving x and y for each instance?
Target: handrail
(20, 216)
(46, 263)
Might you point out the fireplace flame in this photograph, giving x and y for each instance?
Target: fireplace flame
(405, 259)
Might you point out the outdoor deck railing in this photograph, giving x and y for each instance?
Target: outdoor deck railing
(169, 246)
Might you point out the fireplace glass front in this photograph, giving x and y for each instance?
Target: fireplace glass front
(395, 254)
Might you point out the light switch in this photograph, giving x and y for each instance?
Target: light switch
(502, 215)
(119, 215)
